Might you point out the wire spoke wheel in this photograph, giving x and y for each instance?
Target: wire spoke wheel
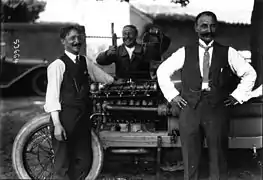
(33, 156)
(38, 154)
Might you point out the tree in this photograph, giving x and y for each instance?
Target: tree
(182, 2)
(21, 11)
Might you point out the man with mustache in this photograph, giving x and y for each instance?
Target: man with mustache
(129, 58)
(207, 73)
(68, 102)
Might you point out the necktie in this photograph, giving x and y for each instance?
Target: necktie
(77, 85)
(77, 60)
(206, 64)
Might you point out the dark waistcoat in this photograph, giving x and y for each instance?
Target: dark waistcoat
(220, 76)
(75, 85)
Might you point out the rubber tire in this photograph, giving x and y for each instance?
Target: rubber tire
(29, 128)
(34, 82)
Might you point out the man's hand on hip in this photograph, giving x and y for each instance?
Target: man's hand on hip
(179, 101)
(230, 101)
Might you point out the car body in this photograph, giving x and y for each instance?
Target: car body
(26, 51)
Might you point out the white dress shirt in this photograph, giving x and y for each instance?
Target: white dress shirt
(236, 62)
(130, 50)
(55, 73)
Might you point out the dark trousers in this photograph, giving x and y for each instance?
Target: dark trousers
(211, 122)
(73, 157)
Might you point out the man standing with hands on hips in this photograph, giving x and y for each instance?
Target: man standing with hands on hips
(207, 73)
(68, 102)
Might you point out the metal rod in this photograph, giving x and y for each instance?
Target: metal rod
(119, 96)
(129, 108)
(101, 37)
(99, 122)
(158, 162)
(257, 157)
(96, 114)
(130, 151)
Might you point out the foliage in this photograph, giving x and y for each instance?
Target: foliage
(21, 11)
(182, 2)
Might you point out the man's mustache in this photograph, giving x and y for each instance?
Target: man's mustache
(127, 38)
(78, 44)
(207, 34)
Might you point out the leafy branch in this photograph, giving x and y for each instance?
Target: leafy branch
(182, 2)
(21, 11)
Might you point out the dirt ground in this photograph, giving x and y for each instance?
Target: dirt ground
(16, 110)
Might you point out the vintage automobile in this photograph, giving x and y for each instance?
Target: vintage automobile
(130, 117)
(26, 51)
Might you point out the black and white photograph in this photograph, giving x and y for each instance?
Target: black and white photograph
(131, 90)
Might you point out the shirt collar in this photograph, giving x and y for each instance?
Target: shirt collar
(131, 48)
(204, 44)
(126, 47)
(71, 56)
(137, 49)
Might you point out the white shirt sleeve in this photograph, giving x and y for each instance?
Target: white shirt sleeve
(97, 74)
(166, 69)
(55, 73)
(243, 70)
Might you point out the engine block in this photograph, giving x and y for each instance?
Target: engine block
(129, 106)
